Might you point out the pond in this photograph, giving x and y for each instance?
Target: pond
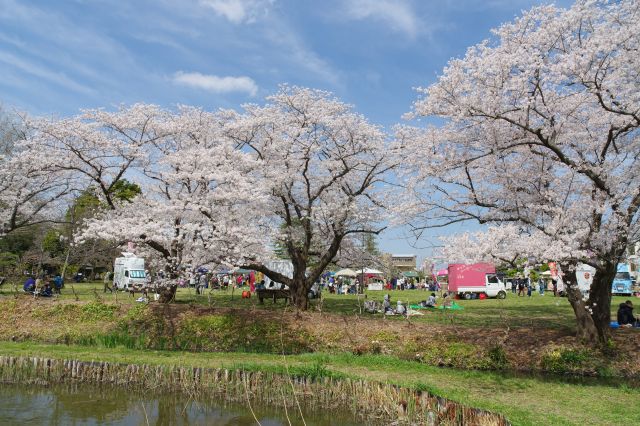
(93, 405)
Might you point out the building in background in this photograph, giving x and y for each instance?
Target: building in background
(401, 262)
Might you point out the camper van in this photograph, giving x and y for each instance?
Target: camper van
(622, 283)
(128, 271)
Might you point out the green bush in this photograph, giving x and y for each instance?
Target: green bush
(567, 360)
(498, 356)
(98, 311)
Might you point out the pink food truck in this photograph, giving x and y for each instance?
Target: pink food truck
(470, 281)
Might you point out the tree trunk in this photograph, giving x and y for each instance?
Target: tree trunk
(167, 293)
(168, 287)
(299, 295)
(600, 299)
(300, 287)
(586, 329)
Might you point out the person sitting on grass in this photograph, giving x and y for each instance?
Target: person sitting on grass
(625, 315)
(400, 308)
(447, 302)
(29, 285)
(386, 304)
(431, 301)
(46, 291)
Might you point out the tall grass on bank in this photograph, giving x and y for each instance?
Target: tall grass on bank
(370, 401)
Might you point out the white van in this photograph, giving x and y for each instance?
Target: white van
(128, 271)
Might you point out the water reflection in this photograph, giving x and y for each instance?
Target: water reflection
(84, 405)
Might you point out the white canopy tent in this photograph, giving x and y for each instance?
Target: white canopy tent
(346, 273)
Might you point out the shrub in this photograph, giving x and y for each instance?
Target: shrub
(98, 311)
(498, 356)
(567, 360)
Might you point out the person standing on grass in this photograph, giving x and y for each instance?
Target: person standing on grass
(202, 284)
(541, 284)
(58, 282)
(106, 279)
(529, 288)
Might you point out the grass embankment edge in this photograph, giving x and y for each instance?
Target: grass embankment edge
(523, 400)
(276, 384)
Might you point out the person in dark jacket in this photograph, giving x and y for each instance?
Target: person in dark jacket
(47, 291)
(625, 314)
(29, 285)
(58, 283)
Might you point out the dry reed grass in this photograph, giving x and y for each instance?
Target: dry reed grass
(377, 403)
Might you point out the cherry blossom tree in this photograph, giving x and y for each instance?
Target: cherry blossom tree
(195, 206)
(29, 193)
(323, 167)
(540, 130)
(303, 172)
(98, 147)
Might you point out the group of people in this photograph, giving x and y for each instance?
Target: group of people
(401, 309)
(202, 281)
(43, 285)
(525, 287)
(342, 285)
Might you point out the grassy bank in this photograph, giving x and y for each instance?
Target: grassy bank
(198, 328)
(523, 400)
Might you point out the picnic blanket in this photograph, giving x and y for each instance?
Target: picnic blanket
(454, 307)
(421, 307)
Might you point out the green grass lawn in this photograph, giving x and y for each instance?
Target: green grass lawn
(538, 311)
(524, 400)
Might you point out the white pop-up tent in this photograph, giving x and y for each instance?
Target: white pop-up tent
(346, 273)
(370, 271)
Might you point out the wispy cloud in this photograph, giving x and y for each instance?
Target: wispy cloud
(37, 70)
(293, 49)
(239, 11)
(397, 14)
(216, 84)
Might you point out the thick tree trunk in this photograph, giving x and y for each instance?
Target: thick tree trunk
(586, 329)
(167, 293)
(594, 315)
(168, 287)
(299, 288)
(600, 299)
(299, 295)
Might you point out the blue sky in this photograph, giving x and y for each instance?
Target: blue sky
(57, 57)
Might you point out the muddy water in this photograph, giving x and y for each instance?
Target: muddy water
(91, 405)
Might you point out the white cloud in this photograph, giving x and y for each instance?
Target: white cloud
(215, 84)
(398, 14)
(239, 11)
